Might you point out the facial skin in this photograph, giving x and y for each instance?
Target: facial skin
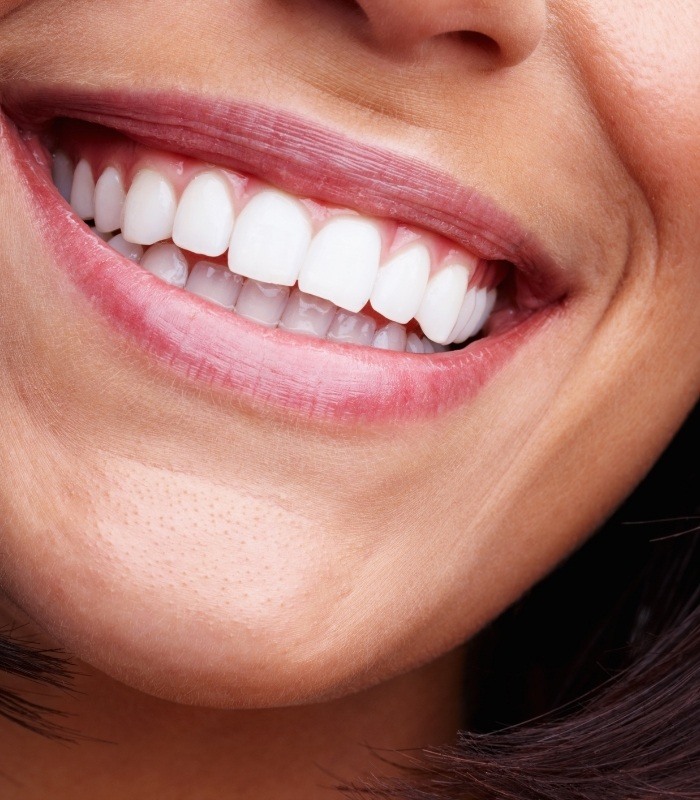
(210, 554)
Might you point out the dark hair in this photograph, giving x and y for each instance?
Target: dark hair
(601, 702)
(25, 666)
(589, 688)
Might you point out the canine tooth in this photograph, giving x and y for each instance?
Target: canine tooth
(414, 344)
(149, 210)
(167, 262)
(401, 284)
(83, 191)
(109, 200)
(442, 301)
(351, 328)
(128, 249)
(214, 282)
(62, 174)
(470, 327)
(204, 218)
(342, 262)
(270, 239)
(390, 337)
(465, 313)
(262, 302)
(307, 314)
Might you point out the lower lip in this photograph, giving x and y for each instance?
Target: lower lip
(266, 368)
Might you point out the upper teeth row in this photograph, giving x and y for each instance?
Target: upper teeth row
(272, 239)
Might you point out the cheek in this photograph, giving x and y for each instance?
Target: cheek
(642, 63)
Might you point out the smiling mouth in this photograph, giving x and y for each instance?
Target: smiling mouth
(290, 297)
(277, 260)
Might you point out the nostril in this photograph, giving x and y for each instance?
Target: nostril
(351, 8)
(499, 33)
(481, 42)
(483, 52)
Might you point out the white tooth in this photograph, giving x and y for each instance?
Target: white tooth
(439, 348)
(465, 313)
(490, 303)
(401, 283)
(167, 262)
(427, 345)
(414, 344)
(441, 302)
(342, 262)
(307, 314)
(271, 239)
(149, 210)
(109, 200)
(262, 302)
(486, 299)
(83, 191)
(204, 218)
(215, 283)
(62, 174)
(470, 327)
(351, 328)
(390, 337)
(128, 249)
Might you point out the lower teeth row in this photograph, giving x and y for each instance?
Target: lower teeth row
(269, 304)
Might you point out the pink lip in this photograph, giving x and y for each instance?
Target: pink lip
(213, 347)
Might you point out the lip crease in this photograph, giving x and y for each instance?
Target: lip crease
(202, 342)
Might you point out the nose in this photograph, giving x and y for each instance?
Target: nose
(509, 30)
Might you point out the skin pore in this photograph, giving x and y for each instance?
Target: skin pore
(253, 596)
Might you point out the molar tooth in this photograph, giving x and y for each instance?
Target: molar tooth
(442, 301)
(167, 262)
(149, 210)
(307, 314)
(351, 328)
(214, 282)
(83, 191)
(414, 344)
(132, 251)
(204, 218)
(491, 296)
(342, 262)
(391, 337)
(470, 326)
(465, 314)
(62, 174)
(109, 200)
(271, 239)
(400, 285)
(262, 302)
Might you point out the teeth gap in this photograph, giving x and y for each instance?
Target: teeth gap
(205, 239)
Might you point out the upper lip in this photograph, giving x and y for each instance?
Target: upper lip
(307, 159)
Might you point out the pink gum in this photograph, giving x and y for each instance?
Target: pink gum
(102, 148)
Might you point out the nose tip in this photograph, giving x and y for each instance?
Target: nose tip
(508, 30)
